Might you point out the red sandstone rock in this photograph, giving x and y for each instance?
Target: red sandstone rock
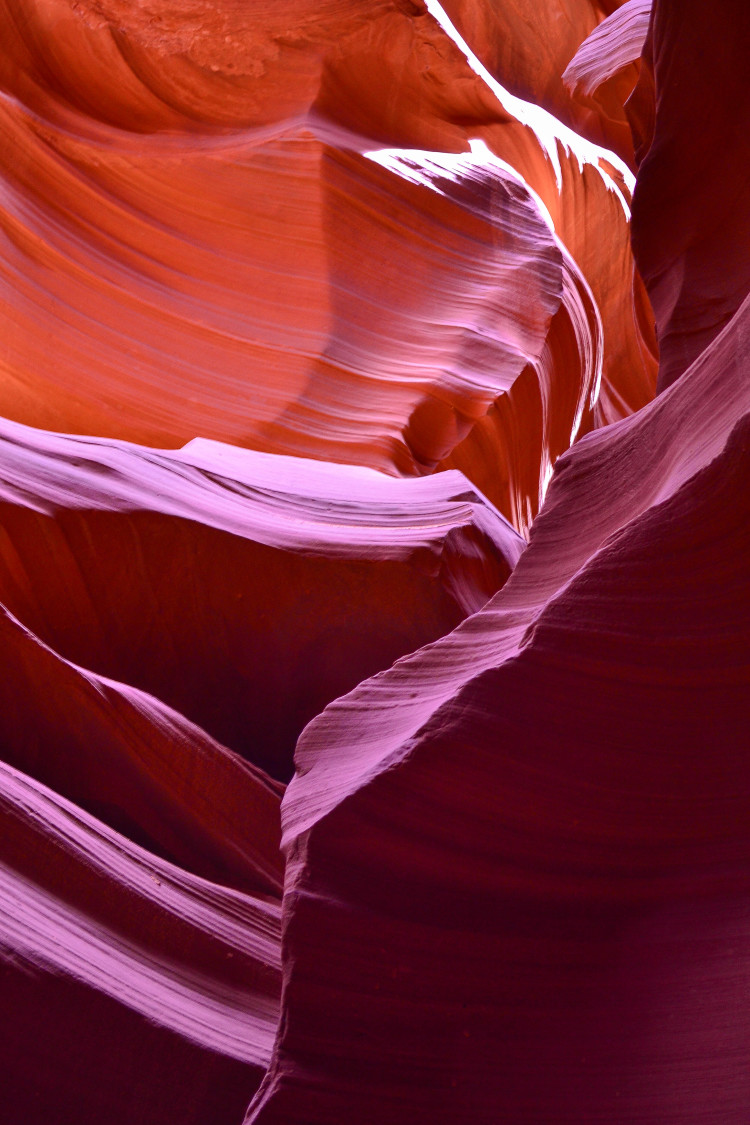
(329, 319)
(607, 64)
(129, 986)
(245, 591)
(691, 221)
(509, 857)
(527, 46)
(516, 881)
(614, 45)
(139, 766)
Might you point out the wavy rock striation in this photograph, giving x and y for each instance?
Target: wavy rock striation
(246, 591)
(524, 847)
(139, 766)
(606, 66)
(373, 311)
(510, 857)
(328, 391)
(131, 987)
(527, 47)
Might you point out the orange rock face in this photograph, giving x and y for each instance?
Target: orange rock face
(335, 237)
(374, 708)
(607, 65)
(528, 46)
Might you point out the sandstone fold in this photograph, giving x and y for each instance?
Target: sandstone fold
(129, 985)
(606, 66)
(528, 46)
(508, 857)
(374, 310)
(138, 765)
(375, 685)
(244, 591)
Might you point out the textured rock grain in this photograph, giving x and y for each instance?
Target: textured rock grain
(330, 455)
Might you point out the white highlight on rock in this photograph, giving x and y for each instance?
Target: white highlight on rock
(549, 131)
(426, 169)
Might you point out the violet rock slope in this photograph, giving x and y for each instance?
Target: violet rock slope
(375, 698)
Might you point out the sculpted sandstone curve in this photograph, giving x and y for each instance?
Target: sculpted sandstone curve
(329, 381)
(583, 737)
(528, 46)
(606, 66)
(187, 296)
(137, 765)
(243, 590)
(526, 810)
(615, 45)
(131, 986)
